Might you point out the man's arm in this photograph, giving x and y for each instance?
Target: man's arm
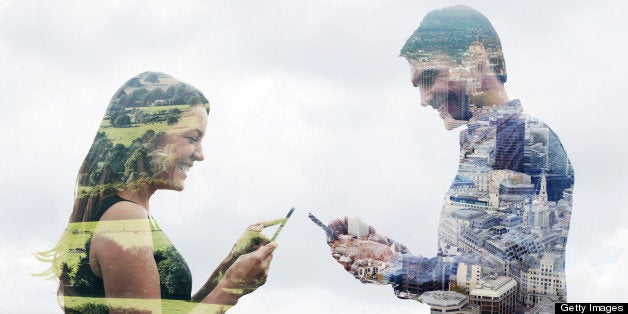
(377, 259)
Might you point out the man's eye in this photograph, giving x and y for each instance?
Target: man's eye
(193, 139)
(426, 78)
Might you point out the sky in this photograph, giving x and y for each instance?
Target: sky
(311, 107)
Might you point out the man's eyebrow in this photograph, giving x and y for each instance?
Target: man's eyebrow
(200, 133)
(425, 76)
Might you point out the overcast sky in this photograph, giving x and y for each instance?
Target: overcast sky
(311, 108)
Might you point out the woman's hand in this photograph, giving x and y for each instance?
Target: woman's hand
(245, 268)
(249, 271)
(252, 238)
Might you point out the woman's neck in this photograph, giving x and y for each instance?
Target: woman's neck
(140, 196)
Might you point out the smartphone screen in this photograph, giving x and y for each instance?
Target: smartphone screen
(283, 223)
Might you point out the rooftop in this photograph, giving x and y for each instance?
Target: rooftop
(467, 214)
(443, 298)
(495, 288)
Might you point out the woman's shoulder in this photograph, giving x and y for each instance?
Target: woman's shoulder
(125, 210)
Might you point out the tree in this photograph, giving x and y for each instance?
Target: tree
(169, 92)
(172, 120)
(173, 271)
(147, 136)
(114, 165)
(137, 164)
(140, 116)
(174, 111)
(152, 78)
(134, 82)
(153, 96)
(122, 121)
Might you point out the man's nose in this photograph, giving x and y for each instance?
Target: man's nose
(425, 98)
(198, 155)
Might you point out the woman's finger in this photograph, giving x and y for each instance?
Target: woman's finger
(258, 227)
(273, 222)
(266, 250)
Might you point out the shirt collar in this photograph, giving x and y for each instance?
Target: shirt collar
(469, 137)
(507, 109)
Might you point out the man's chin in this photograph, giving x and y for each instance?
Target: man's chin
(451, 124)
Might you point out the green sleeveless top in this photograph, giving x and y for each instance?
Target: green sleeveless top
(175, 278)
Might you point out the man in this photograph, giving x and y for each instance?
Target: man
(504, 222)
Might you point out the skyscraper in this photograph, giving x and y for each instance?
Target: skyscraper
(509, 143)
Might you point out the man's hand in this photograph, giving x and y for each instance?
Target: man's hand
(361, 250)
(341, 227)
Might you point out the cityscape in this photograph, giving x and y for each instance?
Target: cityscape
(504, 221)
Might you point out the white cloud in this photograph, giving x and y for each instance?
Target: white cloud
(311, 107)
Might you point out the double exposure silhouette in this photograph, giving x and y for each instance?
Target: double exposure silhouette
(505, 219)
(113, 257)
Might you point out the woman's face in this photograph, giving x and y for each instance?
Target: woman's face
(177, 150)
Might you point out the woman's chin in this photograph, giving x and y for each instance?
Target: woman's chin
(163, 184)
(175, 186)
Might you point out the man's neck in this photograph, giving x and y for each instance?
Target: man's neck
(497, 97)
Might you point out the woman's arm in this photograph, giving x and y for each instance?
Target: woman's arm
(244, 276)
(244, 269)
(121, 253)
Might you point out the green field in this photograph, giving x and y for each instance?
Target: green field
(85, 304)
(126, 135)
(78, 233)
(155, 109)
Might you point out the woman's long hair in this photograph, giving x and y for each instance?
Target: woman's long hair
(142, 110)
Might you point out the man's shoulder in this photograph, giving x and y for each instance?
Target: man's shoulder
(523, 116)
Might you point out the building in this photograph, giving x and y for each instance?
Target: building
(357, 228)
(448, 302)
(415, 275)
(458, 100)
(509, 144)
(495, 295)
(468, 276)
(543, 276)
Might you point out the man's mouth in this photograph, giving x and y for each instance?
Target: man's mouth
(184, 167)
(438, 101)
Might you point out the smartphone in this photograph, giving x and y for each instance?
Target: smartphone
(283, 223)
(331, 234)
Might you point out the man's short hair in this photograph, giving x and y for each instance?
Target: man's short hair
(451, 31)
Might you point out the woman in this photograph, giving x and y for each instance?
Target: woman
(113, 256)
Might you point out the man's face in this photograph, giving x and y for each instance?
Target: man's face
(437, 89)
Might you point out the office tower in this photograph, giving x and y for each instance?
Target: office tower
(509, 144)
(495, 295)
